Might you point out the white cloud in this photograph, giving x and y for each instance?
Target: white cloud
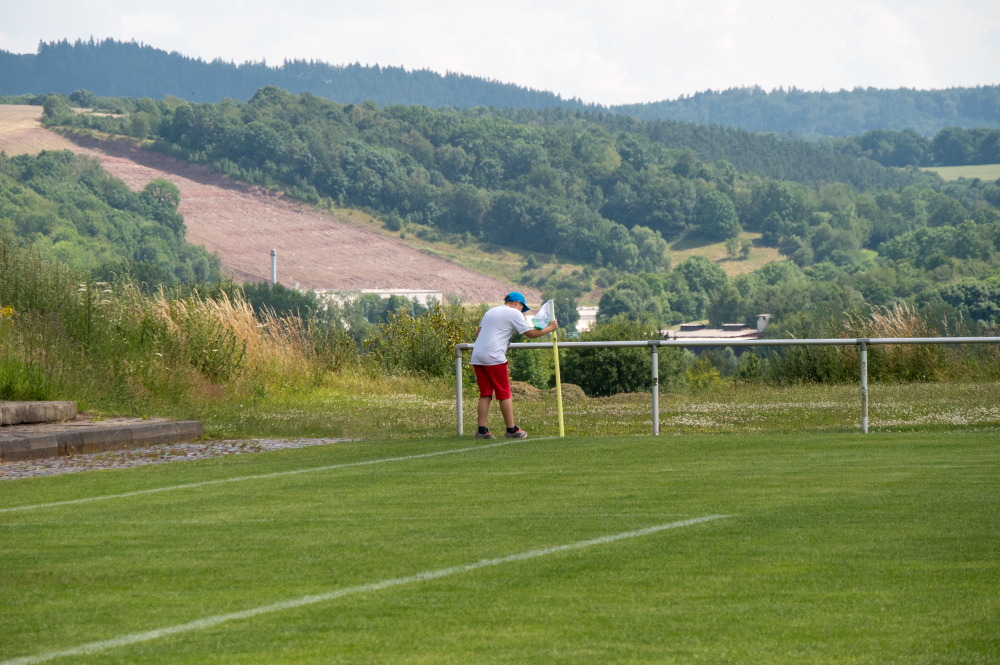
(629, 51)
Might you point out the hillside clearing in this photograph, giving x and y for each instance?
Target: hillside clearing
(759, 256)
(981, 171)
(22, 134)
(316, 249)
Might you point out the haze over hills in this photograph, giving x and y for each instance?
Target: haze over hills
(115, 68)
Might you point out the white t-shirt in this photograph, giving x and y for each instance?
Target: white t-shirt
(498, 326)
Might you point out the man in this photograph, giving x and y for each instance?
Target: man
(489, 359)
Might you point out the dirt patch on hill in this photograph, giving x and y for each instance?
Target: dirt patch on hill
(243, 223)
(22, 134)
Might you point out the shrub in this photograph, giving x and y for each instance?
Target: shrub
(702, 374)
(621, 370)
(749, 368)
(424, 344)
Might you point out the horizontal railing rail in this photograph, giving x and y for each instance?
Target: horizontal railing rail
(654, 344)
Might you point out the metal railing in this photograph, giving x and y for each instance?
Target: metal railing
(655, 344)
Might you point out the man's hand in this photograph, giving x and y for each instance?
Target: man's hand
(553, 325)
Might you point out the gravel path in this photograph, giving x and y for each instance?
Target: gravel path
(175, 452)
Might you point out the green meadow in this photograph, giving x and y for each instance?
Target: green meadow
(981, 171)
(832, 547)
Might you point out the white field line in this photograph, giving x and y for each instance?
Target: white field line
(203, 483)
(208, 622)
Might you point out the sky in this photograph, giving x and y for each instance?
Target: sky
(628, 51)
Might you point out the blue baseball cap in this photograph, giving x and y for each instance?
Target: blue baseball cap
(515, 296)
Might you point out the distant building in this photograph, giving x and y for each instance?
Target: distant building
(730, 334)
(425, 298)
(588, 317)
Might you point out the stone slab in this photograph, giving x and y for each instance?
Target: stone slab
(16, 448)
(86, 436)
(22, 413)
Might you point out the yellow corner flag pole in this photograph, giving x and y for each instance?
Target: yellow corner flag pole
(555, 354)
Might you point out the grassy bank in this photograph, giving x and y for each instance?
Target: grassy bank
(204, 353)
(388, 408)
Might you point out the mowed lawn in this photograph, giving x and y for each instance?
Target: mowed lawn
(837, 548)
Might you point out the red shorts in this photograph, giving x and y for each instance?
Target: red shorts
(493, 379)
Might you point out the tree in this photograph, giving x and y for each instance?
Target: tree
(56, 108)
(652, 249)
(982, 299)
(717, 218)
(164, 198)
(953, 146)
(701, 274)
(633, 297)
(618, 301)
(948, 212)
(733, 247)
(85, 98)
(724, 306)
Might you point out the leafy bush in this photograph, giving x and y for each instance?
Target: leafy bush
(621, 370)
(424, 344)
(280, 299)
(749, 368)
(703, 375)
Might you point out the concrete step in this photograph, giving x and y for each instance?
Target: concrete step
(75, 437)
(23, 413)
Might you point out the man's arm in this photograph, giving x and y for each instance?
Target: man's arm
(478, 330)
(553, 325)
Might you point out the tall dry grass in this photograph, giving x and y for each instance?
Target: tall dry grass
(115, 348)
(891, 362)
(902, 362)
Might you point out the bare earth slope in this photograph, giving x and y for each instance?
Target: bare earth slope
(22, 134)
(243, 223)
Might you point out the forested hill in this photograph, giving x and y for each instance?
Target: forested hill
(840, 113)
(592, 188)
(128, 69)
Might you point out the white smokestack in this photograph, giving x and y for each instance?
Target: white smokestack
(274, 267)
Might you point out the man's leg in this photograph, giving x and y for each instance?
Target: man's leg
(507, 409)
(483, 410)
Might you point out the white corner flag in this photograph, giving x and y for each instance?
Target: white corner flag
(543, 316)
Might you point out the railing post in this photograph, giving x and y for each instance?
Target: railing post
(864, 387)
(654, 353)
(458, 388)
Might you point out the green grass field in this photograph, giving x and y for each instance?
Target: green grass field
(981, 171)
(837, 548)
